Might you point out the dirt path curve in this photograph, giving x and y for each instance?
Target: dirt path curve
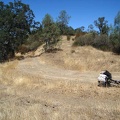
(41, 68)
(40, 89)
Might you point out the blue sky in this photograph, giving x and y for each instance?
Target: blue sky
(82, 12)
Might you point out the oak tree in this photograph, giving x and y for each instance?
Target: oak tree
(16, 23)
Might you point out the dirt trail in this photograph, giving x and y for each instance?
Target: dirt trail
(48, 88)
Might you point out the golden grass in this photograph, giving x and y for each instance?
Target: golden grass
(60, 86)
(84, 58)
(58, 100)
(89, 59)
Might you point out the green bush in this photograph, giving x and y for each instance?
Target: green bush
(34, 45)
(102, 42)
(77, 42)
(115, 43)
(87, 39)
(79, 34)
(33, 42)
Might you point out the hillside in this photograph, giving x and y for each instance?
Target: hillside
(59, 86)
(84, 58)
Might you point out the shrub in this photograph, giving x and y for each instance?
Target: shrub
(23, 49)
(116, 50)
(79, 34)
(115, 43)
(34, 41)
(77, 42)
(34, 45)
(68, 37)
(87, 39)
(33, 38)
(102, 42)
(72, 51)
(73, 39)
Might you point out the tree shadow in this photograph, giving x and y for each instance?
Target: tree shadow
(53, 50)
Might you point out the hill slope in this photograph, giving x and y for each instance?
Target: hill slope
(59, 86)
(84, 58)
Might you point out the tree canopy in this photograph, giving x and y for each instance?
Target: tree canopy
(50, 31)
(62, 21)
(117, 22)
(101, 24)
(16, 23)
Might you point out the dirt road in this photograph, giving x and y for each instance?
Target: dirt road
(45, 88)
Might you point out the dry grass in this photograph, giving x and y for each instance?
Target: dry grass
(60, 86)
(59, 100)
(84, 58)
(89, 59)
